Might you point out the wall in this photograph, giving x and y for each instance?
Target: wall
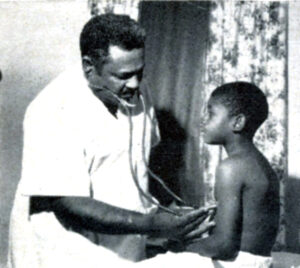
(38, 40)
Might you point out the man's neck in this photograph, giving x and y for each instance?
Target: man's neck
(109, 102)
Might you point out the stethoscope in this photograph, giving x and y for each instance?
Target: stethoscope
(126, 105)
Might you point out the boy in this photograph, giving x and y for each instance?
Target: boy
(247, 189)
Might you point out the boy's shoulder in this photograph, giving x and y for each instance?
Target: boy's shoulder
(229, 178)
(234, 168)
(233, 163)
(227, 173)
(241, 167)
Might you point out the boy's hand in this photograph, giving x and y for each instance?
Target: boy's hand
(166, 225)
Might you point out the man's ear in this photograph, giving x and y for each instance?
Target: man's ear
(87, 65)
(239, 122)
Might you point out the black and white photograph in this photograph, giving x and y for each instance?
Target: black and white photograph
(138, 133)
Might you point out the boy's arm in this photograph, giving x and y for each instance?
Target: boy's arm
(224, 242)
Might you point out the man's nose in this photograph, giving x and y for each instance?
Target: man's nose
(133, 82)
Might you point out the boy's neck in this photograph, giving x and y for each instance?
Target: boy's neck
(239, 145)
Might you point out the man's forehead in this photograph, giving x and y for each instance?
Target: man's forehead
(119, 53)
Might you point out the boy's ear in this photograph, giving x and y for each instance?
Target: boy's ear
(239, 122)
(87, 65)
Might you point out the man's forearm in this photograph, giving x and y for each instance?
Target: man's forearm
(83, 213)
(93, 215)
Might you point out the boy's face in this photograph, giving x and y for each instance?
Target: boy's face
(217, 124)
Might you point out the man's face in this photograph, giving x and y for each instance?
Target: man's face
(121, 73)
(217, 125)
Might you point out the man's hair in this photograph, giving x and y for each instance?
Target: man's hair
(244, 98)
(109, 29)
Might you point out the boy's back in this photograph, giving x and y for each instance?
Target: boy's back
(259, 199)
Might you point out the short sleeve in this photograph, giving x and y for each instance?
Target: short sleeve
(53, 158)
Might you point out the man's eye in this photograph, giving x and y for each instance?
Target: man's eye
(140, 74)
(123, 76)
(127, 76)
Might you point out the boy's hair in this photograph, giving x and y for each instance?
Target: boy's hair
(244, 98)
(110, 29)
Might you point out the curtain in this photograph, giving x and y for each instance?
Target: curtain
(128, 7)
(248, 42)
(177, 34)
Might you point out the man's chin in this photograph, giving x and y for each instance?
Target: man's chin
(128, 98)
(131, 98)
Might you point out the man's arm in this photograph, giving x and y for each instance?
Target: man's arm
(224, 242)
(93, 215)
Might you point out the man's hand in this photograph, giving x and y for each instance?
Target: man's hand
(192, 237)
(166, 225)
(197, 233)
(205, 227)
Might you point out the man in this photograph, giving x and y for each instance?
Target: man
(82, 199)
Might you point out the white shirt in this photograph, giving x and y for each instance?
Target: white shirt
(73, 146)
